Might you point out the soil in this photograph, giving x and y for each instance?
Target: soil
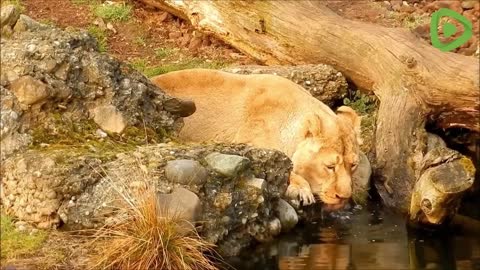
(151, 30)
(141, 37)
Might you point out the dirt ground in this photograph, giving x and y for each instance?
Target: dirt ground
(152, 39)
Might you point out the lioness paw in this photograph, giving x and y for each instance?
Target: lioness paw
(303, 194)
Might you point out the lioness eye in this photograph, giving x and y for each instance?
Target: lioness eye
(331, 167)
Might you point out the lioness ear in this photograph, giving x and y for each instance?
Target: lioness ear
(349, 114)
(312, 126)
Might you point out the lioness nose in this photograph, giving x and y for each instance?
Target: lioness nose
(343, 195)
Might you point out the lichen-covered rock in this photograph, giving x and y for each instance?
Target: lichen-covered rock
(57, 81)
(77, 188)
(322, 81)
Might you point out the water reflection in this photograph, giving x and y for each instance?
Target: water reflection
(369, 239)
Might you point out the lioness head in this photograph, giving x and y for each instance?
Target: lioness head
(328, 154)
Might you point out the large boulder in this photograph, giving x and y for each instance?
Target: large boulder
(55, 82)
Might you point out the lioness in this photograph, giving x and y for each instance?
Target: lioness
(272, 112)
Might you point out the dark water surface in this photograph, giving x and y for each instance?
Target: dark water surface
(368, 238)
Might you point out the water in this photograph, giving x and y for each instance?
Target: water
(367, 238)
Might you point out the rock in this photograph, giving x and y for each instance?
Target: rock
(29, 90)
(258, 183)
(111, 28)
(109, 118)
(223, 200)
(100, 23)
(185, 39)
(181, 203)
(407, 9)
(174, 35)
(227, 165)
(78, 79)
(100, 133)
(322, 81)
(287, 215)
(469, 4)
(186, 172)
(26, 23)
(195, 44)
(275, 226)
(233, 214)
(164, 16)
(179, 107)
(9, 16)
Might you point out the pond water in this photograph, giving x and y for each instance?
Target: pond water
(368, 238)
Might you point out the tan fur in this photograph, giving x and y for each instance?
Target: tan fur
(272, 112)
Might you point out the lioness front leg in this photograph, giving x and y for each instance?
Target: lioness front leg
(299, 188)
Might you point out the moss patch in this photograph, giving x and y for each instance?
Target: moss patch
(14, 243)
(468, 165)
(361, 103)
(79, 137)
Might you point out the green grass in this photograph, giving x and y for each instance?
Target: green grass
(115, 12)
(101, 37)
(413, 21)
(140, 41)
(149, 71)
(15, 243)
(164, 52)
(84, 2)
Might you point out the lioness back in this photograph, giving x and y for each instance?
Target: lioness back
(263, 110)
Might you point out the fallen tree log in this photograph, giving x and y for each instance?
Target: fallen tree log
(415, 82)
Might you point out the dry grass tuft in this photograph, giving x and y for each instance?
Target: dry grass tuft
(149, 239)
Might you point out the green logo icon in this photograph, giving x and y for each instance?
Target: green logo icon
(449, 29)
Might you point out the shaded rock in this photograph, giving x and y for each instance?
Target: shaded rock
(227, 165)
(185, 172)
(109, 118)
(29, 90)
(181, 203)
(322, 81)
(287, 215)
